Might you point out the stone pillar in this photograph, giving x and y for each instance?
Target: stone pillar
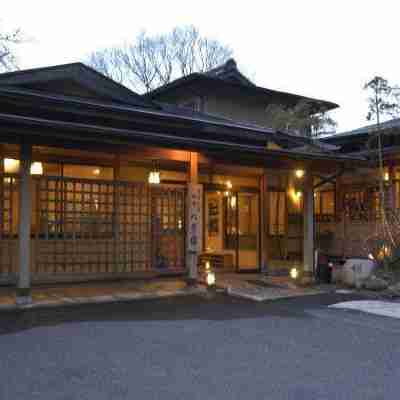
(194, 219)
(308, 216)
(25, 215)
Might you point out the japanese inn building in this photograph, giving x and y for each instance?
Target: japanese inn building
(99, 182)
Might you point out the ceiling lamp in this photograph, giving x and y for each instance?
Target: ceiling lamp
(299, 173)
(36, 168)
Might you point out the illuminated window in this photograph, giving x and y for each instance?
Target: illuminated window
(324, 204)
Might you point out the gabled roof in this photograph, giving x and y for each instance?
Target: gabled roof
(61, 78)
(228, 75)
(363, 131)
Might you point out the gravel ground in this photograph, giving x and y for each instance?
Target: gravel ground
(199, 348)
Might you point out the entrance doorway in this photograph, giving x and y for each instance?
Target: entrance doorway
(232, 221)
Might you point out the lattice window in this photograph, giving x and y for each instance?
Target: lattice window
(168, 232)
(324, 205)
(8, 224)
(92, 226)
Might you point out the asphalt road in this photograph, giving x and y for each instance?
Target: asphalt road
(196, 348)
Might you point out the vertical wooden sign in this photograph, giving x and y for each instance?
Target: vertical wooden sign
(195, 219)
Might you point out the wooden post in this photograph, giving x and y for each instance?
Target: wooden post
(339, 215)
(116, 205)
(264, 222)
(308, 215)
(392, 188)
(25, 215)
(194, 219)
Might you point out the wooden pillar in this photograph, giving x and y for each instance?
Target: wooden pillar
(25, 215)
(194, 219)
(264, 222)
(392, 201)
(116, 221)
(308, 216)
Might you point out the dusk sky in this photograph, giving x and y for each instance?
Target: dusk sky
(322, 49)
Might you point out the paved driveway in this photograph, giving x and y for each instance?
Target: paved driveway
(194, 348)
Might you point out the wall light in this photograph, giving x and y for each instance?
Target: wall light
(11, 166)
(386, 176)
(229, 184)
(36, 168)
(96, 171)
(299, 173)
(294, 273)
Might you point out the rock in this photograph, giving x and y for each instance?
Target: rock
(357, 270)
(395, 289)
(375, 283)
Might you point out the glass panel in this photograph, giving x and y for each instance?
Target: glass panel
(248, 235)
(221, 227)
(277, 210)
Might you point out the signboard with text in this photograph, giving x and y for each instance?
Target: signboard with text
(195, 218)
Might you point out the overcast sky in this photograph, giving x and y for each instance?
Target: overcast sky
(320, 48)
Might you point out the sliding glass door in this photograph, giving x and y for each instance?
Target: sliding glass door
(248, 219)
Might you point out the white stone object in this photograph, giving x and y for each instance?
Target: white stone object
(357, 270)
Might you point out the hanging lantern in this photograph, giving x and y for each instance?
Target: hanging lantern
(299, 173)
(154, 176)
(36, 168)
(11, 166)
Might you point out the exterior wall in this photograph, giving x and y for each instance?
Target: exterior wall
(242, 109)
(238, 108)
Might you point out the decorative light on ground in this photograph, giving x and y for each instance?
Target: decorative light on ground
(210, 279)
(294, 273)
(299, 173)
(299, 194)
(36, 168)
(11, 166)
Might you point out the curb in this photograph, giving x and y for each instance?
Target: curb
(106, 299)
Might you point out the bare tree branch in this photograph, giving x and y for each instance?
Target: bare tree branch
(152, 61)
(8, 57)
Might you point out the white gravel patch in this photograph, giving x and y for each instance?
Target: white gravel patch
(384, 308)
